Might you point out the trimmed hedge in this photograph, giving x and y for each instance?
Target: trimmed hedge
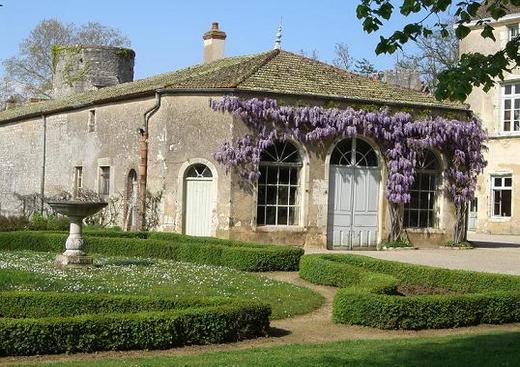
(87, 323)
(368, 296)
(240, 256)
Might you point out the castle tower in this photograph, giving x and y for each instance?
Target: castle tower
(81, 68)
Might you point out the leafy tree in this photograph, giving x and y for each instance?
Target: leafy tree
(473, 69)
(343, 59)
(31, 70)
(365, 67)
(434, 54)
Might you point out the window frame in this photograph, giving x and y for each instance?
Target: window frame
(92, 125)
(264, 183)
(102, 179)
(512, 97)
(420, 173)
(503, 187)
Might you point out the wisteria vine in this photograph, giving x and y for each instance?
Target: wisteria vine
(398, 135)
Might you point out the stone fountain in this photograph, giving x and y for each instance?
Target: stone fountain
(76, 211)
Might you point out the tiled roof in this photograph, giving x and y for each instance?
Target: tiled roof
(274, 71)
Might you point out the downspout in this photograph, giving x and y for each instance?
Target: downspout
(44, 159)
(143, 162)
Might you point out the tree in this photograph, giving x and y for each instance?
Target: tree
(434, 55)
(474, 69)
(365, 67)
(31, 70)
(344, 59)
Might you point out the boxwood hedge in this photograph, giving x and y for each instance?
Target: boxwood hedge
(241, 256)
(368, 294)
(49, 323)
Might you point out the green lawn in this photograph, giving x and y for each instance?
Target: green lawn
(26, 270)
(498, 349)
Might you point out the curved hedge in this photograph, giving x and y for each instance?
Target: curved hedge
(369, 294)
(211, 251)
(50, 323)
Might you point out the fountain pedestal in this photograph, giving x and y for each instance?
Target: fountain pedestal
(76, 211)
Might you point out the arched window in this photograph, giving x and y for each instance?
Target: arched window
(199, 171)
(421, 211)
(278, 185)
(350, 152)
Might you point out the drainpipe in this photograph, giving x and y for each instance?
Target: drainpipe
(143, 162)
(44, 159)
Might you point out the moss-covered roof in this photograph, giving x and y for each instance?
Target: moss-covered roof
(273, 72)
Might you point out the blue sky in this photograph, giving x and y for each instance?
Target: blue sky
(167, 35)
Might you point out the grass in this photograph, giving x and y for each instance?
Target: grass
(27, 270)
(496, 349)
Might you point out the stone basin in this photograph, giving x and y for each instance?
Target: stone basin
(76, 211)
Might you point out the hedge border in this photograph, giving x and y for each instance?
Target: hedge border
(239, 256)
(145, 323)
(368, 293)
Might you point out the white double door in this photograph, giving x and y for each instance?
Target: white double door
(353, 206)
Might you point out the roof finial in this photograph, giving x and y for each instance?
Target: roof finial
(278, 40)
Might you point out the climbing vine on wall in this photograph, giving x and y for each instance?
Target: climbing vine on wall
(398, 135)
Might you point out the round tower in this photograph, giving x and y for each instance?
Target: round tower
(81, 68)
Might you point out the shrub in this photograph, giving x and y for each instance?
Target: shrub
(87, 323)
(213, 252)
(368, 296)
(13, 223)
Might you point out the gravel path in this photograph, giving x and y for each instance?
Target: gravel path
(315, 327)
(505, 260)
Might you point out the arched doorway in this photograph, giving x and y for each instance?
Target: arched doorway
(131, 199)
(354, 180)
(199, 200)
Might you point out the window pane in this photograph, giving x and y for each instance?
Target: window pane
(507, 89)
(507, 115)
(282, 215)
(260, 212)
(263, 175)
(508, 181)
(497, 195)
(517, 103)
(507, 125)
(506, 203)
(284, 175)
(293, 215)
(283, 195)
(271, 195)
(261, 194)
(272, 175)
(507, 104)
(293, 195)
(423, 219)
(414, 218)
(517, 86)
(498, 181)
(270, 212)
(516, 125)
(294, 176)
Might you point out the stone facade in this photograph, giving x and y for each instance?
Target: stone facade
(503, 155)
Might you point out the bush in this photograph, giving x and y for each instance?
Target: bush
(53, 323)
(37, 222)
(13, 223)
(210, 251)
(368, 296)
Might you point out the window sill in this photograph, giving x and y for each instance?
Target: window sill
(272, 228)
(426, 230)
(499, 219)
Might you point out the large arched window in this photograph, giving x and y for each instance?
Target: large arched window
(421, 211)
(278, 186)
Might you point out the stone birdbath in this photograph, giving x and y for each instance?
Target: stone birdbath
(76, 211)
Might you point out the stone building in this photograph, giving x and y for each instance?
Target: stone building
(94, 139)
(495, 209)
